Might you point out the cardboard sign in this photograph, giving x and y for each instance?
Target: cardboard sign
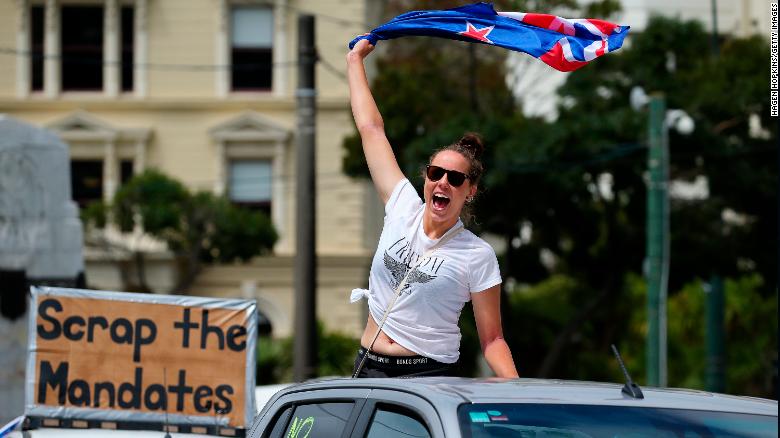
(139, 357)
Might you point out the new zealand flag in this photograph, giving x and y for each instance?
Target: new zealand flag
(564, 44)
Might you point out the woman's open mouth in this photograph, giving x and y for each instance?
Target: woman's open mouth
(440, 201)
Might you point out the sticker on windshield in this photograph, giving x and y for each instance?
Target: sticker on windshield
(298, 424)
(479, 417)
(497, 416)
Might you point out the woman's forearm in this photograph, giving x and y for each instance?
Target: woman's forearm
(499, 357)
(364, 108)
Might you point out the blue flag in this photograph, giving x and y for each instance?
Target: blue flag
(564, 44)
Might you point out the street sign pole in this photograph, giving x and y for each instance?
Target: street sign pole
(657, 255)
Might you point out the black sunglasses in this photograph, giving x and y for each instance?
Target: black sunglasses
(435, 173)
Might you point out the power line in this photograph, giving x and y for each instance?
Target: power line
(149, 66)
(325, 17)
(333, 70)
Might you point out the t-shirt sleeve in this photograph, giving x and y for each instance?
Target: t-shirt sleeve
(484, 272)
(403, 201)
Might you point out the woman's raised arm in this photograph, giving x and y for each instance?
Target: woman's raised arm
(379, 154)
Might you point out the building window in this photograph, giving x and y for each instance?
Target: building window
(251, 48)
(126, 171)
(128, 38)
(250, 184)
(86, 181)
(82, 48)
(36, 48)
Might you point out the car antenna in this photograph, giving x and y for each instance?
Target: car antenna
(165, 423)
(630, 389)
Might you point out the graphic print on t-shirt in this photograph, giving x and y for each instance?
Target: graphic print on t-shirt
(406, 259)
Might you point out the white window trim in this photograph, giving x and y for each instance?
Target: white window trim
(23, 71)
(91, 138)
(222, 45)
(267, 140)
(52, 48)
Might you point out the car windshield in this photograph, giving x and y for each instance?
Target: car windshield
(585, 421)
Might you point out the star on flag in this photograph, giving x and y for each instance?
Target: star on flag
(477, 34)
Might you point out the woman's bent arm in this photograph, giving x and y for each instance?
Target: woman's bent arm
(487, 314)
(379, 154)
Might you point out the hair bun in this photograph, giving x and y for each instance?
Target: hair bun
(472, 142)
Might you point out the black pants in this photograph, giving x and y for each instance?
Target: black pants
(380, 365)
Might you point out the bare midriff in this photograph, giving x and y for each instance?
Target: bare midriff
(383, 344)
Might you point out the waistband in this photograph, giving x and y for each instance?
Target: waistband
(416, 361)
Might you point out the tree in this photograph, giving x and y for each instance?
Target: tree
(198, 228)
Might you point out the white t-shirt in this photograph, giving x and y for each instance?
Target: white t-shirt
(424, 319)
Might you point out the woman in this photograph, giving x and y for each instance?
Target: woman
(424, 252)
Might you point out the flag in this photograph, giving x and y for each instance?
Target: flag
(564, 44)
(9, 427)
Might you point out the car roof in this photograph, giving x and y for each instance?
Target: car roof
(456, 391)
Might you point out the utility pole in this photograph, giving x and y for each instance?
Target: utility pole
(657, 255)
(305, 305)
(715, 380)
(714, 7)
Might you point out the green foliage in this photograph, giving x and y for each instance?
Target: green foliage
(204, 226)
(154, 198)
(197, 227)
(242, 234)
(750, 315)
(95, 214)
(470, 350)
(722, 94)
(335, 355)
(269, 369)
(543, 311)
(750, 322)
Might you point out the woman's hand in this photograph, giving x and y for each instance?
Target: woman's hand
(359, 52)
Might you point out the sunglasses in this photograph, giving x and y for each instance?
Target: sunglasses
(435, 173)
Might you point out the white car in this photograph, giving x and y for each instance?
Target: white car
(482, 408)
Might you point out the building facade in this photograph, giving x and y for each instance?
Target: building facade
(204, 91)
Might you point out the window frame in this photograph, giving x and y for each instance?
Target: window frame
(42, 75)
(366, 400)
(281, 413)
(418, 406)
(281, 55)
(264, 206)
(397, 409)
(257, 51)
(83, 52)
(251, 136)
(37, 49)
(127, 48)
